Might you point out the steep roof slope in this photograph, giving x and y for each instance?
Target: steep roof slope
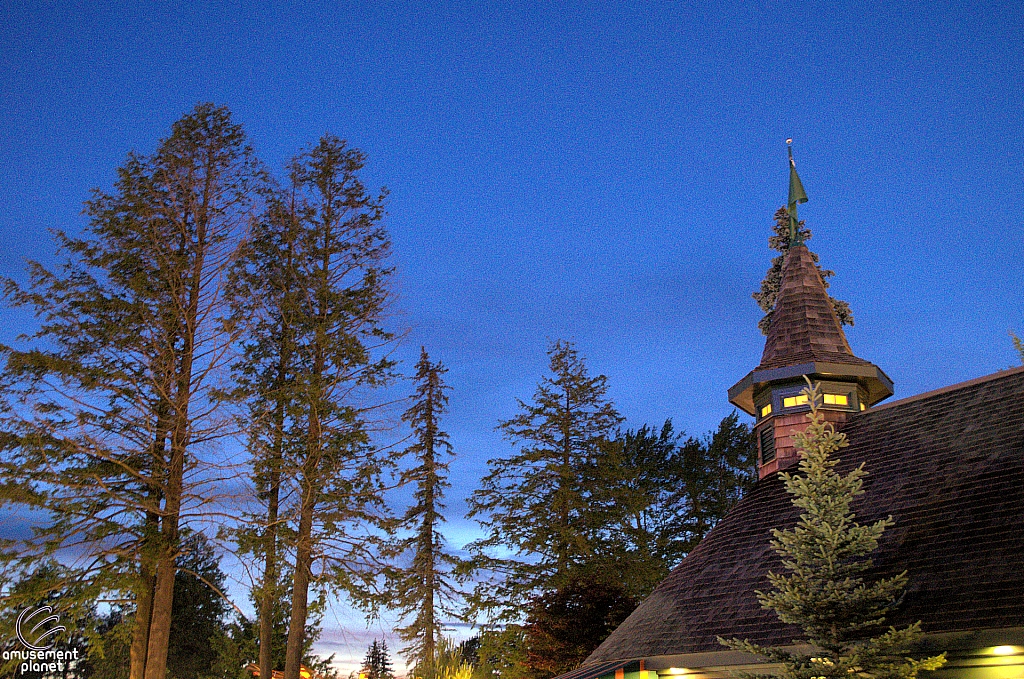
(947, 465)
(804, 326)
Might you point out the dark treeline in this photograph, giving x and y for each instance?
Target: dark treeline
(209, 302)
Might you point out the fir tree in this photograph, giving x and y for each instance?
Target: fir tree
(772, 282)
(824, 591)
(425, 589)
(103, 415)
(264, 292)
(341, 293)
(534, 502)
(377, 663)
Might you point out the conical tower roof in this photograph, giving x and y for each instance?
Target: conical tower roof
(804, 326)
(805, 338)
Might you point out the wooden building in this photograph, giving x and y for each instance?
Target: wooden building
(947, 465)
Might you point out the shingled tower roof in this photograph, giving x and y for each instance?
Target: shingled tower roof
(804, 326)
(805, 338)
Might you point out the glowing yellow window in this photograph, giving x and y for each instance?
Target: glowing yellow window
(837, 400)
(792, 401)
(766, 411)
(862, 407)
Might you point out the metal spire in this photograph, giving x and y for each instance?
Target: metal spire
(796, 195)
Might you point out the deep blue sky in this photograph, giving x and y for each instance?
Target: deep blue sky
(583, 170)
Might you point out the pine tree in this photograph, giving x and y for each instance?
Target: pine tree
(824, 591)
(377, 663)
(425, 589)
(341, 293)
(534, 503)
(772, 282)
(103, 414)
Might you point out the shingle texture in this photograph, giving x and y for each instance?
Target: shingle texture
(804, 326)
(948, 466)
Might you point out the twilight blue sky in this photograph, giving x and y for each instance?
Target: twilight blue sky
(604, 172)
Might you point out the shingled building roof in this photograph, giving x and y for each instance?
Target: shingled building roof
(803, 325)
(947, 465)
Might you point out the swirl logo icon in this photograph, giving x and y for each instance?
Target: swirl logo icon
(42, 630)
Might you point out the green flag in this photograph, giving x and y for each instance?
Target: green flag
(796, 195)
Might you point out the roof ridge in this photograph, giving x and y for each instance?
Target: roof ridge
(999, 374)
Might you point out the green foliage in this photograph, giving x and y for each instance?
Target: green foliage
(197, 618)
(501, 654)
(823, 591)
(1018, 344)
(102, 410)
(772, 282)
(313, 288)
(564, 626)
(534, 503)
(449, 661)
(655, 494)
(425, 588)
(63, 589)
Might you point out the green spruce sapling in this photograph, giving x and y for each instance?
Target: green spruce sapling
(824, 591)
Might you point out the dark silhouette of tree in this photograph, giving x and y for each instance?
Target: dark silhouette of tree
(564, 626)
(377, 663)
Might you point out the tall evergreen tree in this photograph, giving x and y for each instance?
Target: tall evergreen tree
(341, 294)
(425, 590)
(824, 591)
(104, 413)
(534, 503)
(772, 282)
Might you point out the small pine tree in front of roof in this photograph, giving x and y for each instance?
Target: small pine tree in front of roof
(826, 555)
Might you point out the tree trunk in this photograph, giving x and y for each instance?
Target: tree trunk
(163, 591)
(147, 561)
(300, 588)
(143, 614)
(268, 598)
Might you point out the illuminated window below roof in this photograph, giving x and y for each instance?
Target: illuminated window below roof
(793, 401)
(836, 400)
(766, 411)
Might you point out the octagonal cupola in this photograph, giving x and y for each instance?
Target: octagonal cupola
(805, 339)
